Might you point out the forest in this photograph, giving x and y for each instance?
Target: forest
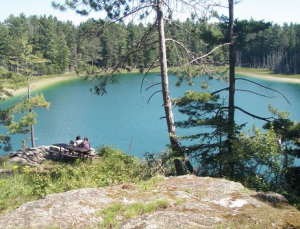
(49, 46)
(40, 45)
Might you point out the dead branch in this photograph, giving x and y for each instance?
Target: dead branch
(153, 95)
(185, 30)
(152, 86)
(148, 70)
(216, 92)
(271, 97)
(265, 88)
(188, 52)
(267, 119)
(253, 115)
(207, 54)
(160, 167)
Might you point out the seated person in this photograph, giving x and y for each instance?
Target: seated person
(86, 143)
(78, 141)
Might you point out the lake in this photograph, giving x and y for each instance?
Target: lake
(125, 120)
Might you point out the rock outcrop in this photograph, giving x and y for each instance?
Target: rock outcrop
(192, 202)
(36, 156)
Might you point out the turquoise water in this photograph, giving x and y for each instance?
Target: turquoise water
(124, 119)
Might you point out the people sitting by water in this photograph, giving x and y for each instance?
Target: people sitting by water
(86, 143)
(78, 141)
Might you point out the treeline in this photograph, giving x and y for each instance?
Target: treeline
(273, 47)
(44, 45)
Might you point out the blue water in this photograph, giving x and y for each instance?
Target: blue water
(124, 119)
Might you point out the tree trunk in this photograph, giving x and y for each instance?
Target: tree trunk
(30, 110)
(231, 123)
(176, 149)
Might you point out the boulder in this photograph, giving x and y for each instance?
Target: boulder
(192, 202)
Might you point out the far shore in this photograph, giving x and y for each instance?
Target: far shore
(48, 81)
(44, 82)
(266, 76)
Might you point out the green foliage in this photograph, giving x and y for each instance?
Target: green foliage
(287, 130)
(161, 163)
(207, 112)
(291, 188)
(118, 166)
(258, 160)
(110, 214)
(28, 183)
(26, 122)
(3, 160)
(129, 211)
(288, 134)
(43, 45)
(151, 183)
(14, 189)
(280, 114)
(194, 96)
(5, 143)
(28, 103)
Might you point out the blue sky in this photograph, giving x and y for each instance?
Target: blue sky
(277, 11)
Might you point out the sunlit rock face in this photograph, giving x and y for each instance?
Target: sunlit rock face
(188, 202)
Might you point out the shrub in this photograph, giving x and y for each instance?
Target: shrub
(28, 183)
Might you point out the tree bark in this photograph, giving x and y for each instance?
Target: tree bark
(231, 105)
(176, 149)
(30, 110)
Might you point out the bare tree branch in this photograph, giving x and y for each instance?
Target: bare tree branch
(207, 54)
(148, 70)
(189, 53)
(265, 88)
(267, 119)
(216, 92)
(254, 116)
(152, 86)
(153, 95)
(185, 30)
(256, 93)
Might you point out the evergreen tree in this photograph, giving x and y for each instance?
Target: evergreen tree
(26, 123)
(5, 43)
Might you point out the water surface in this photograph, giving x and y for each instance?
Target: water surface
(126, 120)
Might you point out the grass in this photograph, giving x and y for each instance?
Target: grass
(150, 184)
(248, 218)
(25, 184)
(111, 213)
(15, 190)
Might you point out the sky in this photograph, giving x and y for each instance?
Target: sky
(276, 11)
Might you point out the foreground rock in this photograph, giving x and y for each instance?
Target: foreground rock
(192, 202)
